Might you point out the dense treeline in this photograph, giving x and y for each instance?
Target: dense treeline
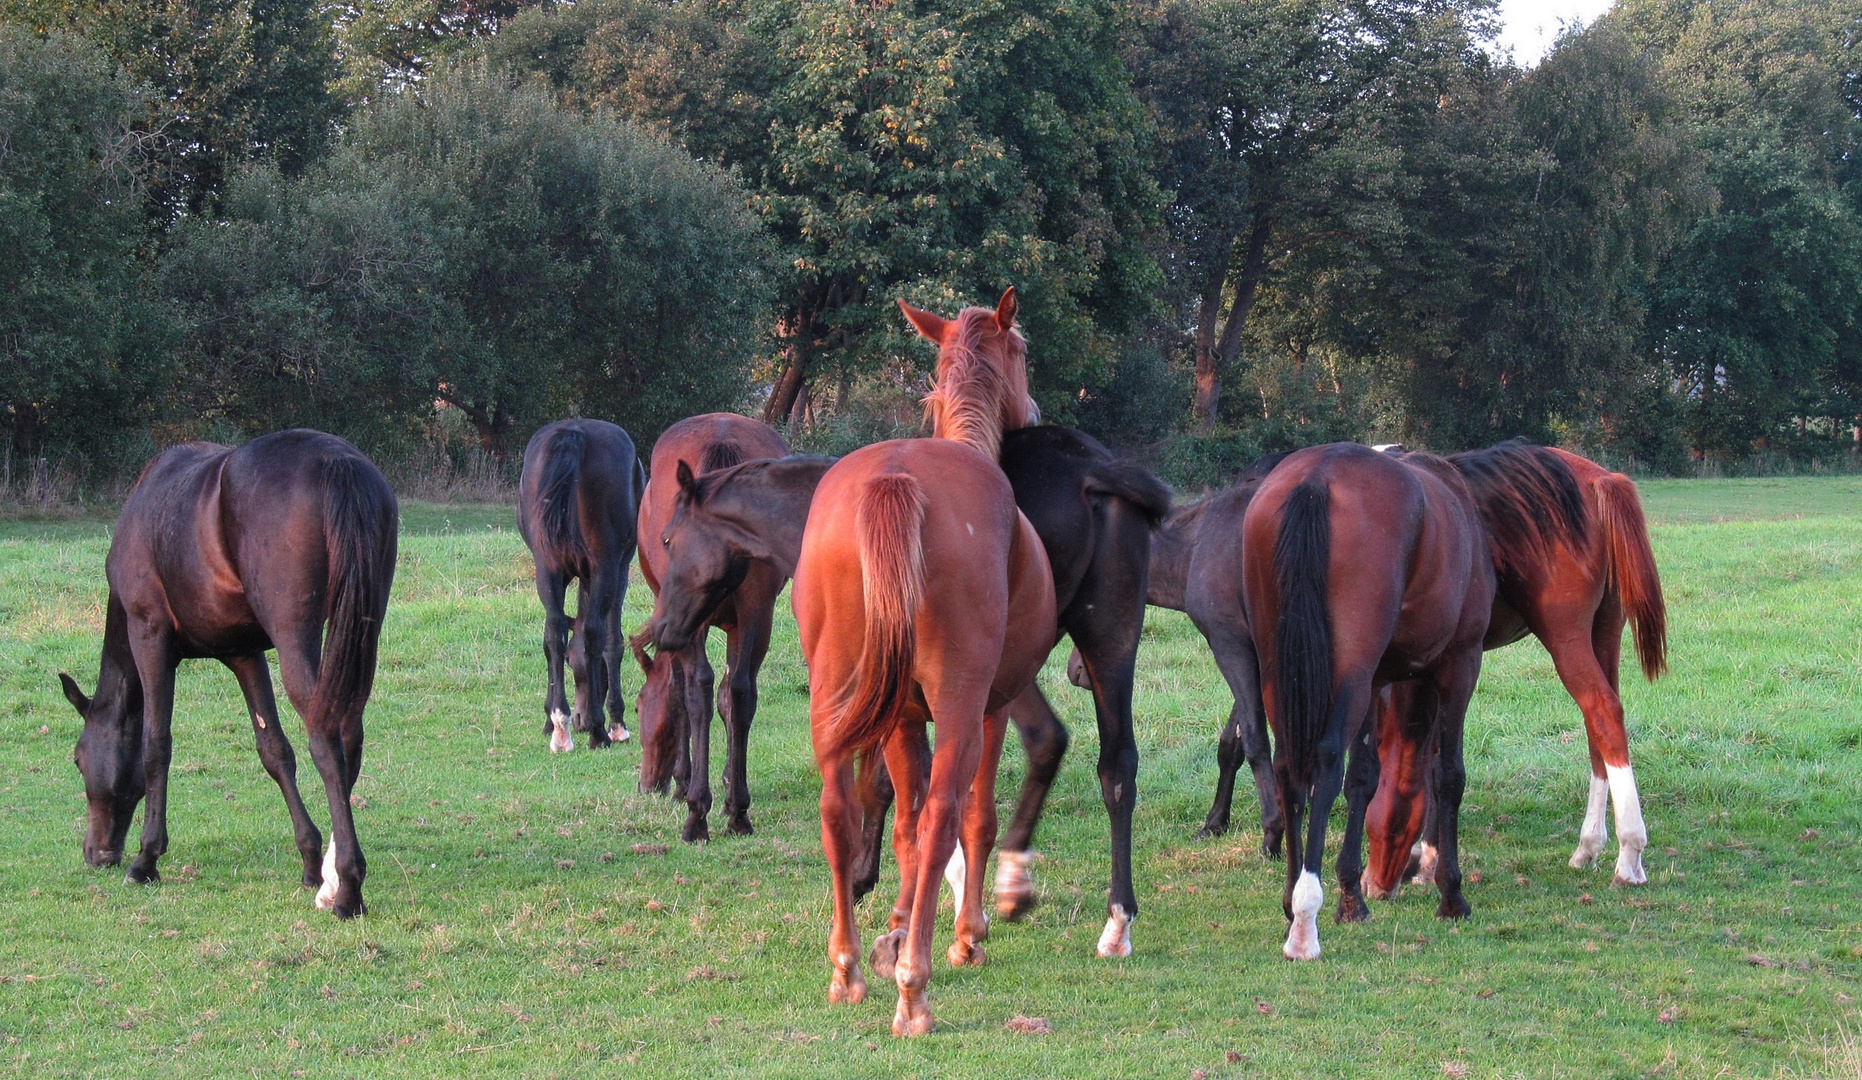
(1236, 224)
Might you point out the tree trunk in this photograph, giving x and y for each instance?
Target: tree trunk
(1214, 355)
(788, 388)
(25, 429)
(490, 421)
(1208, 381)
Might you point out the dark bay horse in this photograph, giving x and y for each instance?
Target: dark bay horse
(575, 508)
(1362, 569)
(676, 699)
(1571, 553)
(225, 554)
(1093, 513)
(923, 596)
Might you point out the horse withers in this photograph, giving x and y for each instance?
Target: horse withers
(674, 710)
(287, 542)
(1361, 570)
(576, 503)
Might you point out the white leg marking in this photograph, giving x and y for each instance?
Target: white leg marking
(259, 720)
(1426, 857)
(1631, 834)
(1013, 885)
(956, 871)
(1115, 939)
(560, 741)
(618, 732)
(1303, 935)
(1594, 834)
(326, 893)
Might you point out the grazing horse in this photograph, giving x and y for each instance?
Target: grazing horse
(1093, 514)
(676, 700)
(575, 509)
(1362, 569)
(227, 553)
(1571, 552)
(923, 596)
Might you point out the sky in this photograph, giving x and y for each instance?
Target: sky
(1530, 26)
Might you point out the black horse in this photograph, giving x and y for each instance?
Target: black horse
(1094, 514)
(576, 504)
(224, 554)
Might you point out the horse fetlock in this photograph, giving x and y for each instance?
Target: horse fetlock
(1303, 934)
(332, 881)
(1115, 939)
(965, 953)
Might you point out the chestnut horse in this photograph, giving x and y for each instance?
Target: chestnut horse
(1361, 569)
(675, 703)
(923, 596)
(575, 510)
(225, 554)
(1571, 552)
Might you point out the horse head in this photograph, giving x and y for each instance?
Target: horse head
(982, 374)
(109, 757)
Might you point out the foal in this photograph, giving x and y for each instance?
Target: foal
(287, 542)
(575, 510)
(923, 595)
(1361, 570)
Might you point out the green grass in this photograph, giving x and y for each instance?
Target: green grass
(514, 930)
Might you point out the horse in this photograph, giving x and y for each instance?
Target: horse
(1093, 513)
(1571, 553)
(575, 511)
(674, 708)
(1570, 549)
(287, 542)
(923, 596)
(1362, 569)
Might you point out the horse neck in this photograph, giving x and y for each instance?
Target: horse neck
(1172, 544)
(772, 505)
(119, 684)
(973, 397)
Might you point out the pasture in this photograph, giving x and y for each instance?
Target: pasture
(532, 915)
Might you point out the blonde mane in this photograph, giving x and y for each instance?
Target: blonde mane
(977, 397)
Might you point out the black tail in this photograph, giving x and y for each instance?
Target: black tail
(1303, 635)
(1133, 483)
(562, 467)
(360, 519)
(720, 455)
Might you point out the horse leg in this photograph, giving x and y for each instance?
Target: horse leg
(978, 835)
(1361, 777)
(954, 765)
(551, 587)
(1587, 665)
(1453, 685)
(280, 762)
(698, 705)
(614, 656)
(333, 735)
(908, 767)
(1118, 785)
(749, 644)
(155, 665)
(1244, 738)
(838, 829)
(592, 610)
(1395, 818)
(1044, 739)
(874, 791)
(1305, 895)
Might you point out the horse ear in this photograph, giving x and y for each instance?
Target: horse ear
(927, 324)
(1005, 311)
(74, 695)
(688, 484)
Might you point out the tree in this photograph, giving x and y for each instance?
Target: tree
(80, 348)
(481, 246)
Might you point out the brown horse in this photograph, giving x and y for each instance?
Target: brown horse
(923, 595)
(674, 709)
(1360, 570)
(1571, 552)
(225, 554)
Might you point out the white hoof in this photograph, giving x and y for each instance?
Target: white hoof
(326, 893)
(1629, 868)
(560, 740)
(1303, 936)
(1013, 883)
(619, 733)
(1115, 939)
(1426, 858)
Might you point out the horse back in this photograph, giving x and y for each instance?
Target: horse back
(578, 495)
(704, 442)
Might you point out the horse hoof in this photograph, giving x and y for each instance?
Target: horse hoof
(345, 912)
(965, 954)
(740, 826)
(912, 1019)
(1211, 830)
(560, 740)
(137, 875)
(1629, 870)
(696, 831)
(1352, 909)
(884, 959)
(1453, 907)
(1015, 895)
(619, 733)
(1270, 844)
(847, 988)
(1115, 939)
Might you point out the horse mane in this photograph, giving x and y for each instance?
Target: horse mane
(720, 455)
(1529, 500)
(973, 398)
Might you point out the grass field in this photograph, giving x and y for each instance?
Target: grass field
(532, 915)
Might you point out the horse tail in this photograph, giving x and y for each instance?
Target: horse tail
(1135, 484)
(1632, 569)
(1303, 634)
(562, 468)
(640, 478)
(890, 524)
(720, 455)
(359, 525)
